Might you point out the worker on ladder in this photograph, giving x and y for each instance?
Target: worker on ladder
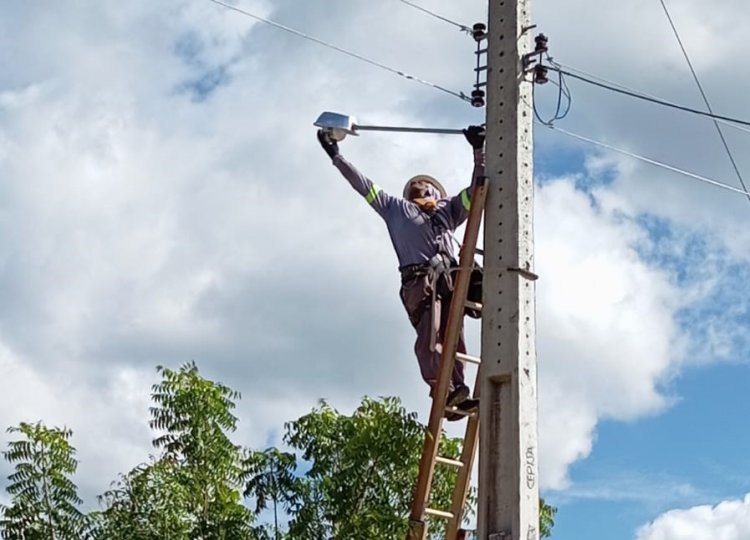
(420, 226)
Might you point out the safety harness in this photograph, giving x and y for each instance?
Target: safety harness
(438, 273)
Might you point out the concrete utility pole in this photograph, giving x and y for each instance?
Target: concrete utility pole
(508, 486)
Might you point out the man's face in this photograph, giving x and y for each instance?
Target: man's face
(421, 189)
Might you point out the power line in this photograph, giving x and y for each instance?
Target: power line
(558, 68)
(560, 112)
(634, 90)
(462, 27)
(650, 161)
(705, 97)
(459, 95)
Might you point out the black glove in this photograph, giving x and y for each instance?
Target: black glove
(475, 136)
(329, 145)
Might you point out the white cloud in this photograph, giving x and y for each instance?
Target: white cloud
(105, 413)
(728, 520)
(606, 325)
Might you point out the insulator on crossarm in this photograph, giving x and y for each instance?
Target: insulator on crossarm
(540, 74)
(541, 43)
(479, 31)
(477, 98)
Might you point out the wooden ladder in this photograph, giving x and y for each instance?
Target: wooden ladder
(430, 458)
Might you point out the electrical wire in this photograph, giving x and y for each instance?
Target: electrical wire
(461, 27)
(562, 88)
(650, 161)
(663, 102)
(705, 97)
(634, 90)
(562, 91)
(459, 95)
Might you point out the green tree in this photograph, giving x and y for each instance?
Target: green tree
(546, 518)
(272, 481)
(193, 490)
(361, 473)
(195, 416)
(44, 499)
(356, 480)
(363, 469)
(149, 503)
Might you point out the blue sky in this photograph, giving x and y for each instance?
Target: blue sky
(693, 454)
(161, 190)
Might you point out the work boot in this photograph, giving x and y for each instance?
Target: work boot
(458, 395)
(468, 405)
(453, 417)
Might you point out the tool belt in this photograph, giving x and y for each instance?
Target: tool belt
(438, 265)
(439, 270)
(413, 271)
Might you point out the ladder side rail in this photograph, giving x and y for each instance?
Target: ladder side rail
(468, 452)
(461, 489)
(450, 346)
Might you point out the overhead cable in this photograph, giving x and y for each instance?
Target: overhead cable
(459, 95)
(560, 111)
(636, 91)
(649, 160)
(462, 27)
(644, 97)
(705, 97)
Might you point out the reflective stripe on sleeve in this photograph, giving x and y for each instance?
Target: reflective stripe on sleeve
(374, 190)
(465, 200)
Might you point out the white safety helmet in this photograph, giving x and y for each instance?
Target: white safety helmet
(425, 178)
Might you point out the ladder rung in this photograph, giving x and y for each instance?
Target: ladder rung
(451, 462)
(468, 358)
(438, 513)
(473, 305)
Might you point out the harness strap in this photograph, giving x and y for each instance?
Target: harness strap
(439, 266)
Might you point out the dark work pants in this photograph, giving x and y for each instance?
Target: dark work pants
(416, 296)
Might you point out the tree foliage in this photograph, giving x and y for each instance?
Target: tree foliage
(193, 490)
(148, 503)
(272, 482)
(546, 518)
(44, 499)
(363, 470)
(347, 477)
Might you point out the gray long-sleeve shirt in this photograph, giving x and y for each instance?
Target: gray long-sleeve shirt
(416, 235)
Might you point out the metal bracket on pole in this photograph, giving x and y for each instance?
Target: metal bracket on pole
(479, 32)
(528, 274)
(533, 61)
